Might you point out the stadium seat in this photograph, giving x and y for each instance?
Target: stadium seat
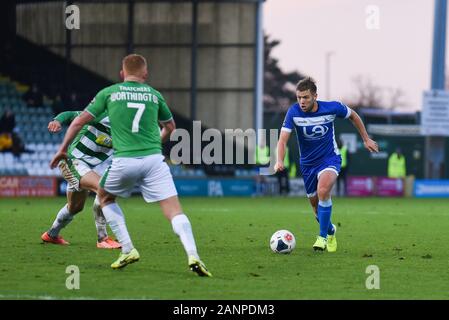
(36, 164)
(6, 172)
(27, 163)
(28, 138)
(55, 172)
(20, 117)
(40, 172)
(55, 139)
(34, 156)
(24, 157)
(8, 158)
(48, 147)
(38, 137)
(31, 146)
(48, 112)
(43, 118)
(40, 147)
(42, 156)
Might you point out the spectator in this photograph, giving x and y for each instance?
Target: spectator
(396, 164)
(5, 141)
(9, 139)
(17, 145)
(341, 179)
(7, 122)
(34, 97)
(262, 159)
(262, 152)
(284, 175)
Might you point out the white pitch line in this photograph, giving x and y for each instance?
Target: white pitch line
(37, 297)
(47, 297)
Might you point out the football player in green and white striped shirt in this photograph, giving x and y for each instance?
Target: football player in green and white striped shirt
(88, 157)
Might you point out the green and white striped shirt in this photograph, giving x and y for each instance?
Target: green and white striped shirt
(93, 144)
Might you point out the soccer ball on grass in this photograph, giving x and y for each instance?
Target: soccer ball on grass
(282, 241)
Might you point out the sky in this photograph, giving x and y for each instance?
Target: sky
(386, 41)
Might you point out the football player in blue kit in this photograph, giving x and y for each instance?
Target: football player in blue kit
(320, 160)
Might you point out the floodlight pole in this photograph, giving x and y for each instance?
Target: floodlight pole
(130, 40)
(439, 44)
(194, 62)
(259, 70)
(327, 65)
(68, 56)
(435, 145)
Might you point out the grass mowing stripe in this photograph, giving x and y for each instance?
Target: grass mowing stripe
(406, 238)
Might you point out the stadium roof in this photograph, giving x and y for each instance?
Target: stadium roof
(135, 1)
(395, 129)
(385, 112)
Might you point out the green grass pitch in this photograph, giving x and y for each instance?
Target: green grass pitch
(408, 239)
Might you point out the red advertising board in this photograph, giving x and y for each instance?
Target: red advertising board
(389, 187)
(27, 186)
(374, 186)
(359, 186)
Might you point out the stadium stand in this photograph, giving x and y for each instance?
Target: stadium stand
(21, 71)
(40, 145)
(31, 127)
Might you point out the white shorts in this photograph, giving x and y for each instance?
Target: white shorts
(74, 169)
(150, 173)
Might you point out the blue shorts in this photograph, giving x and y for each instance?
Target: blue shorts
(311, 174)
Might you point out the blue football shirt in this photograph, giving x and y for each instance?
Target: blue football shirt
(315, 130)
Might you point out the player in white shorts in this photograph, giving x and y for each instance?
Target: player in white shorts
(135, 111)
(150, 172)
(89, 156)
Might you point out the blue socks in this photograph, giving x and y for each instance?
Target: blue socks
(330, 230)
(324, 218)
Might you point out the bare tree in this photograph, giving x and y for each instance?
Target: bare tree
(396, 98)
(370, 95)
(367, 94)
